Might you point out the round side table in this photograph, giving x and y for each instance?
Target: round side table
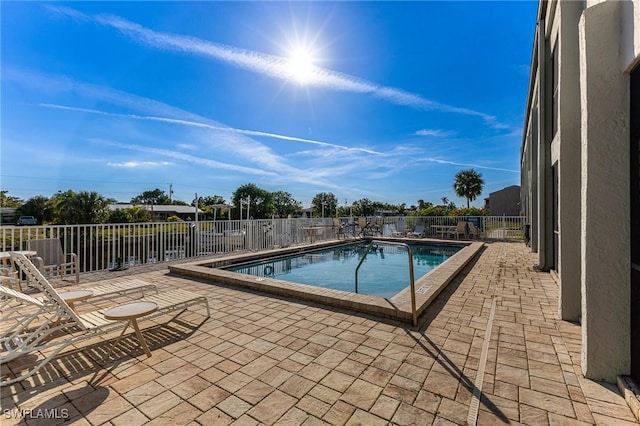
(130, 312)
(75, 296)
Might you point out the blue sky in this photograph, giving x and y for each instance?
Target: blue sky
(378, 100)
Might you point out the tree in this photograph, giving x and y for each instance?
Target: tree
(157, 196)
(39, 207)
(63, 205)
(9, 201)
(424, 204)
(330, 204)
(363, 207)
(139, 214)
(445, 201)
(119, 216)
(209, 201)
(81, 207)
(468, 184)
(400, 208)
(284, 204)
(135, 214)
(258, 200)
(209, 204)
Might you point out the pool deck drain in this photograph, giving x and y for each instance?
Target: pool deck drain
(396, 307)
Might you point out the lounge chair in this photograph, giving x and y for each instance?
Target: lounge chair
(417, 232)
(11, 279)
(52, 260)
(120, 288)
(339, 227)
(401, 228)
(52, 325)
(375, 226)
(363, 225)
(473, 231)
(459, 230)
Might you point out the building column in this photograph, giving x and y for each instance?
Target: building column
(605, 219)
(544, 201)
(535, 187)
(569, 169)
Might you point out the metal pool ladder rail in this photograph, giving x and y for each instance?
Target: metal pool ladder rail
(414, 315)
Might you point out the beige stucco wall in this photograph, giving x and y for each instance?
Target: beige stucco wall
(605, 220)
(599, 45)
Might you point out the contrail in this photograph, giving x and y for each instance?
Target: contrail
(270, 65)
(212, 127)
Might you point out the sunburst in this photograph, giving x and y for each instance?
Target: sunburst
(300, 65)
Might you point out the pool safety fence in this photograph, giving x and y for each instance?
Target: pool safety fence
(116, 246)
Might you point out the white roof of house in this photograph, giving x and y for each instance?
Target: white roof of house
(158, 208)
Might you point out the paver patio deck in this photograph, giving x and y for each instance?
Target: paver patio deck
(491, 349)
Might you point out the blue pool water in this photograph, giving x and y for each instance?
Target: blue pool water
(384, 272)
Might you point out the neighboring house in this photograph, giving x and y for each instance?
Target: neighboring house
(581, 173)
(7, 215)
(306, 213)
(382, 213)
(505, 202)
(163, 212)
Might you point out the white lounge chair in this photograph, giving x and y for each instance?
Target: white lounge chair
(338, 227)
(121, 288)
(401, 228)
(32, 324)
(393, 229)
(417, 232)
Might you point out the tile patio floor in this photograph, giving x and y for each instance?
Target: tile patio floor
(490, 350)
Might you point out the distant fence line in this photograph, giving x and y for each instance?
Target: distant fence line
(107, 246)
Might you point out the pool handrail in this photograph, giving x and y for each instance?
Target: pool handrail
(414, 315)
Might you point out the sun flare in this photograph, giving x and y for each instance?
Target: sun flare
(300, 65)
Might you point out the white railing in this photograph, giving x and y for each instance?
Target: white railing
(109, 246)
(489, 227)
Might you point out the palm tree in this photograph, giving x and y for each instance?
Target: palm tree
(445, 201)
(81, 207)
(91, 207)
(468, 184)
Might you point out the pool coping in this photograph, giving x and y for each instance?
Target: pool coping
(397, 307)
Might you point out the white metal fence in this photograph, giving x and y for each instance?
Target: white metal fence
(109, 246)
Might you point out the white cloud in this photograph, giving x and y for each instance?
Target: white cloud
(436, 133)
(184, 157)
(187, 146)
(139, 164)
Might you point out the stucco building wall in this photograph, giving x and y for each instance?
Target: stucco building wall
(576, 170)
(505, 202)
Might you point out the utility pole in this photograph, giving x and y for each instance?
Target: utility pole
(196, 203)
(170, 193)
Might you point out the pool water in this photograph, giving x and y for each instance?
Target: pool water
(384, 272)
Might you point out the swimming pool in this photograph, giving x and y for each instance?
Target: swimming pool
(213, 272)
(384, 271)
